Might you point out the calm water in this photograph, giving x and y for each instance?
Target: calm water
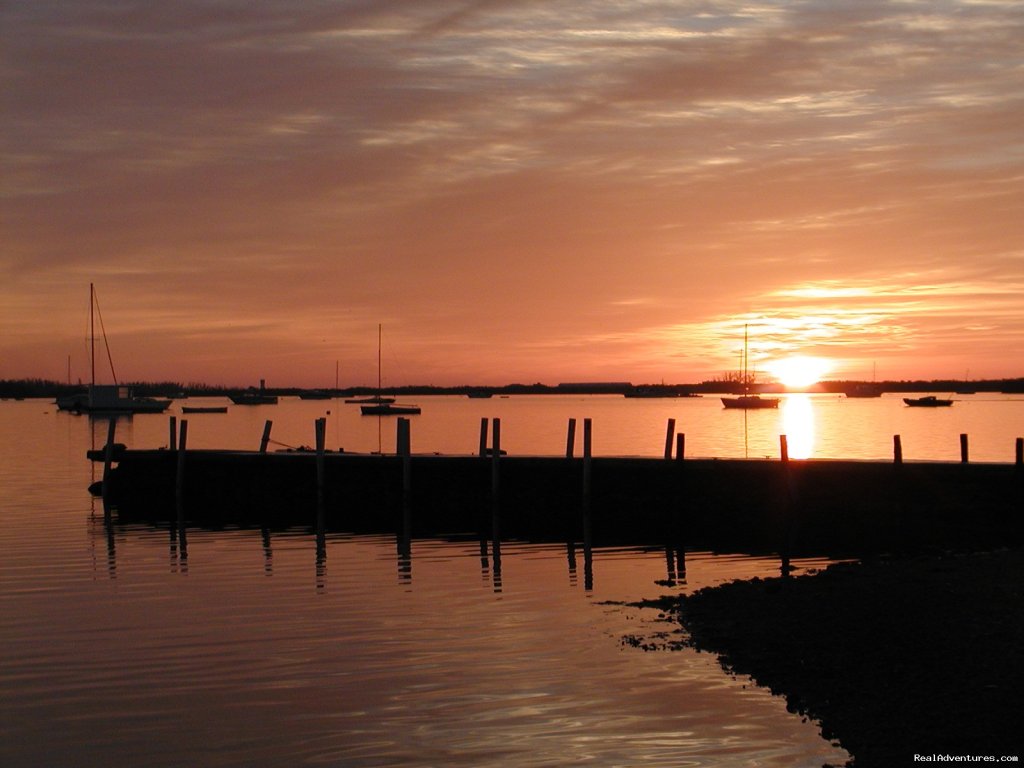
(117, 647)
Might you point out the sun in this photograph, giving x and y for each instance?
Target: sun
(799, 371)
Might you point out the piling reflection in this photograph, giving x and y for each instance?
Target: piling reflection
(404, 547)
(570, 555)
(108, 531)
(496, 569)
(675, 567)
(179, 547)
(268, 552)
(321, 561)
(673, 558)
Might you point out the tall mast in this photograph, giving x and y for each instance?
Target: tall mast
(379, 325)
(746, 379)
(92, 338)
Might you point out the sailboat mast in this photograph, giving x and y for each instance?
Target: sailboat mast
(379, 326)
(92, 337)
(746, 378)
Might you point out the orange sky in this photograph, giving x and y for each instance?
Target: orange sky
(518, 191)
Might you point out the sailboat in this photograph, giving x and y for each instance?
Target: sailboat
(106, 399)
(381, 406)
(322, 394)
(865, 390)
(746, 401)
(253, 396)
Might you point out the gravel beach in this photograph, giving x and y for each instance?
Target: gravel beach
(895, 658)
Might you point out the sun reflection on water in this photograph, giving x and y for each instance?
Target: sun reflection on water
(798, 424)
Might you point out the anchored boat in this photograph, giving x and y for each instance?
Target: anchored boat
(106, 399)
(747, 401)
(928, 401)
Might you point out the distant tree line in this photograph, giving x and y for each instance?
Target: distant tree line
(26, 388)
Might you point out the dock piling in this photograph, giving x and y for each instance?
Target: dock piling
(670, 431)
(964, 458)
(404, 445)
(483, 436)
(1019, 458)
(179, 476)
(570, 439)
(320, 427)
(266, 436)
(587, 448)
(495, 482)
(680, 446)
(173, 440)
(788, 519)
(108, 457)
(897, 450)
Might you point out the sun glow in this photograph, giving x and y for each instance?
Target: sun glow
(799, 371)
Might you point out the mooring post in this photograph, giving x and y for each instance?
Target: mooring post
(1019, 460)
(496, 487)
(108, 457)
(680, 446)
(266, 436)
(570, 439)
(405, 451)
(483, 436)
(897, 450)
(670, 431)
(179, 477)
(587, 448)
(788, 503)
(321, 439)
(173, 441)
(964, 457)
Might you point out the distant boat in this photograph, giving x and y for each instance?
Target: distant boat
(928, 401)
(383, 406)
(750, 402)
(315, 394)
(747, 401)
(654, 392)
(864, 390)
(479, 394)
(106, 398)
(255, 396)
(389, 409)
(110, 399)
(377, 399)
(322, 394)
(204, 409)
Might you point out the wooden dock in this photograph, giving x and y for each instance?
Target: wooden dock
(782, 505)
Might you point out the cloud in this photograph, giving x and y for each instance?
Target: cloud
(494, 175)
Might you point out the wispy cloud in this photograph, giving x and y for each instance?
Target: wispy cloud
(499, 175)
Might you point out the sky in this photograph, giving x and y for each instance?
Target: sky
(514, 191)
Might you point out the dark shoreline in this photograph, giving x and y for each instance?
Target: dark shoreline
(918, 655)
(32, 388)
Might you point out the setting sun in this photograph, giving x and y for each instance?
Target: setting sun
(799, 371)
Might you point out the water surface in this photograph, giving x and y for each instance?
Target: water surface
(118, 646)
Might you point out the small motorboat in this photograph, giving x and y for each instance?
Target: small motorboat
(928, 401)
(389, 409)
(750, 402)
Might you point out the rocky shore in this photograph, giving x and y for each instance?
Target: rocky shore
(895, 658)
